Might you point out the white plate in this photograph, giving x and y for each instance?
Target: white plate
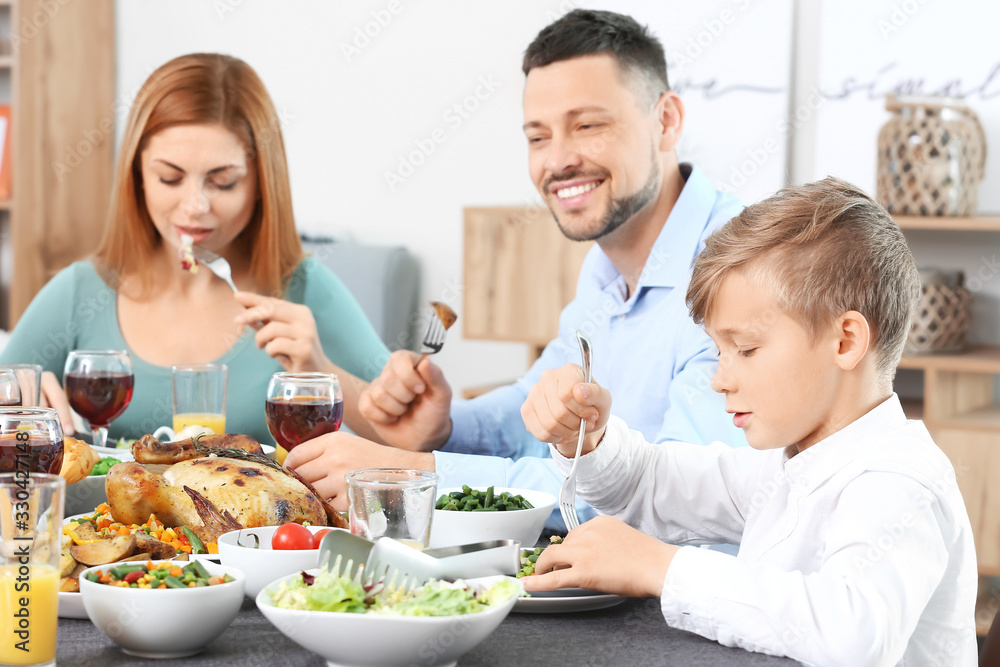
(565, 600)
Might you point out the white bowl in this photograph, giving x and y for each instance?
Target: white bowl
(163, 623)
(377, 640)
(451, 527)
(264, 564)
(84, 496)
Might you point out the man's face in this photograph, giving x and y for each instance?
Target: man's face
(780, 383)
(593, 144)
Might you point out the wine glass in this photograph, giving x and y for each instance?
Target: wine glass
(10, 390)
(302, 406)
(31, 440)
(99, 384)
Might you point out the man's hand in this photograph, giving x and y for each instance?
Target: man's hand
(409, 407)
(555, 406)
(604, 554)
(287, 332)
(324, 461)
(53, 396)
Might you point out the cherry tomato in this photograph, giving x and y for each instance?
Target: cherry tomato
(318, 537)
(292, 536)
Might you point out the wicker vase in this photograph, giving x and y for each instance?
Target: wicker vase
(943, 316)
(931, 157)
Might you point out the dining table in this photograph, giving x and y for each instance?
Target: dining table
(630, 633)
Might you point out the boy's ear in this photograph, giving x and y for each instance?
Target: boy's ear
(854, 338)
(670, 118)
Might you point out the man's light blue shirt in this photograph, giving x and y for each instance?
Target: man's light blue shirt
(656, 362)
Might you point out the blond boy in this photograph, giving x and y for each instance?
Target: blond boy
(855, 545)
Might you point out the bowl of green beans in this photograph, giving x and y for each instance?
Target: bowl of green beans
(467, 514)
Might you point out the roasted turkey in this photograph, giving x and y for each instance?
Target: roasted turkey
(222, 489)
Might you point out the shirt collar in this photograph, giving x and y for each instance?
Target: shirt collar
(807, 470)
(674, 250)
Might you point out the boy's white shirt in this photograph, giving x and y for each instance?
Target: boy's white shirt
(857, 551)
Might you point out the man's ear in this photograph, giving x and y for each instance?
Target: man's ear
(853, 339)
(669, 111)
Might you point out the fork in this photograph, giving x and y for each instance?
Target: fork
(216, 264)
(434, 336)
(567, 493)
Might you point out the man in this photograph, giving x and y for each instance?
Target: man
(602, 127)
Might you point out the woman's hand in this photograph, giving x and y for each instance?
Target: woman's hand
(285, 330)
(53, 396)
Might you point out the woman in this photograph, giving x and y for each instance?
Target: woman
(202, 156)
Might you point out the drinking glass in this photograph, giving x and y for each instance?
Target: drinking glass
(392, 502)
(302, 406)
(31, 516)
(99, 384)
(10, 392)
(29, 380)
(199, 396)
(31, 440)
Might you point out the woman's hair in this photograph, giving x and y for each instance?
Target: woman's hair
(213, 89)
(821, 250)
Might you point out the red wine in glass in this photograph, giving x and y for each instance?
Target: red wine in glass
(35, 454)
(99, 386)
(31, 440)
(294, 420)
(99, 396)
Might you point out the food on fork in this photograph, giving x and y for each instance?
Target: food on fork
(444, 313)
(188, 262)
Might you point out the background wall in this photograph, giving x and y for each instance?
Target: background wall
(362, 86)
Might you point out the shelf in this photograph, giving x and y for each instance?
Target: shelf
(6, 61)
(973, 224)
(6, 204)
(977, 359)
(984, 419)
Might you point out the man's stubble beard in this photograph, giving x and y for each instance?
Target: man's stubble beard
(621, 210)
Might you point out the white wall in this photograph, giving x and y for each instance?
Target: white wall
(349, 117)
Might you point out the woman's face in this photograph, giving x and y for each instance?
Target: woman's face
(198, 181)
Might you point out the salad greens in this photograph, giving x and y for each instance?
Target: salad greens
(330, 592)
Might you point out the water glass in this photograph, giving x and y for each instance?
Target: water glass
(199, 396)
(392, 502)
(31, 516)
(29, 382)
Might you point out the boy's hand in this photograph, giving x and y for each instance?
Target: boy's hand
(555, 406)
(604, 554)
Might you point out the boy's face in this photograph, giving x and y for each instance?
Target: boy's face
(592, 144)
(780, 383)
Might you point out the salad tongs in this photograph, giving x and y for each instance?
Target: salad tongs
(387, 559)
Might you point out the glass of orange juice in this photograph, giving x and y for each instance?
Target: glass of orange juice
(31, 516)
(199, 395)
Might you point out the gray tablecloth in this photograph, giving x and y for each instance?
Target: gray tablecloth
(632, 633)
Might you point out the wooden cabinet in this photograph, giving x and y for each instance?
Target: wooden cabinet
(961, 409)
(61, 83)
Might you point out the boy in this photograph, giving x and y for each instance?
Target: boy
(855, 545)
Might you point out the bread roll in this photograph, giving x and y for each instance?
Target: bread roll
(79, 459)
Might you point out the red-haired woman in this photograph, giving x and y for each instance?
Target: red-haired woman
(202, 156)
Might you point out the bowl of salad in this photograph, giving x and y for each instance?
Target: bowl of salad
(380, 626)
(475, 514)
(88, 493)
(162, 609)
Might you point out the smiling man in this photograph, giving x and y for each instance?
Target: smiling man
(602, 127)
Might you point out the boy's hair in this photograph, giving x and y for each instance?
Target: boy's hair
(823, 249)
(588, 32)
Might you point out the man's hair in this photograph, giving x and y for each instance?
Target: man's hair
(588, 32)
(822, 249)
